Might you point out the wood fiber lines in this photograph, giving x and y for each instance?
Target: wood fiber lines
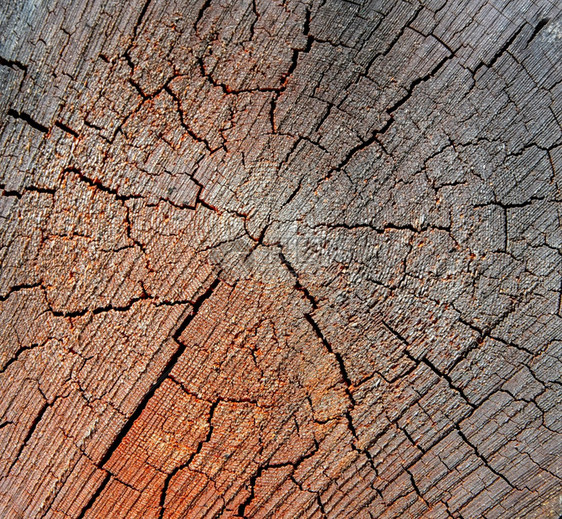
(280, 259)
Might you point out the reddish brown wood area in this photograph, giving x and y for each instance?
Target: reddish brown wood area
(280, 259)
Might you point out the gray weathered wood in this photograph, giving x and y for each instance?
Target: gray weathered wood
(265, 258)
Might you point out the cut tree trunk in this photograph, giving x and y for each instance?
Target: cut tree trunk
(280, 258)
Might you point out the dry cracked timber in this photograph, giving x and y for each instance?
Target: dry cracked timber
(265, 258)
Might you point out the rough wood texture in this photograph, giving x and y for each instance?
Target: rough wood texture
(265, 258)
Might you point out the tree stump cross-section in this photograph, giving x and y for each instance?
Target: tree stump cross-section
(281, 259)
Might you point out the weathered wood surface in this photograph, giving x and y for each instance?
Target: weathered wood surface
(280, 259)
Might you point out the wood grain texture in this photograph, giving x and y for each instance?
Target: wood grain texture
(280, 259)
